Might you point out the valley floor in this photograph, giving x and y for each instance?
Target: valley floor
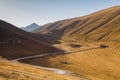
(94, 64)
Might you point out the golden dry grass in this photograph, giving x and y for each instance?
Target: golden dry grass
(99, 26)
(98, 64)
(17, 71)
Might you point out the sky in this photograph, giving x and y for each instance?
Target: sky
(24, 12)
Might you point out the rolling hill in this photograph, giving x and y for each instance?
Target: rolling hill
(15, 42)
(99, 26)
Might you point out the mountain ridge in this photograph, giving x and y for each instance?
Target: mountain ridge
(80, 28)
(17, 43)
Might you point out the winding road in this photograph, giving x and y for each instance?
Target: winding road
(58, 71)
(46, 54)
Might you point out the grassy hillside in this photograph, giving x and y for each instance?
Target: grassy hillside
(15, 42)
(98, 26)
(102, 27)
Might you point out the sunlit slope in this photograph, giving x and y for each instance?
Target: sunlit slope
(94, 64)
(15, 42)
(18, 71)
(100, 25)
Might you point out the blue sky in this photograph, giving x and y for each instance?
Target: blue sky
(25, 12)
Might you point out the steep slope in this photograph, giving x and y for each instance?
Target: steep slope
(98, 26)
(15, 42)
(31, 27)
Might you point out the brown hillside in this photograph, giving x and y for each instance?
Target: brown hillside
(17, 71)
(99, 29)
(100, 25)
(15, 42)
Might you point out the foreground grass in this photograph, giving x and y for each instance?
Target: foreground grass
(17, 71)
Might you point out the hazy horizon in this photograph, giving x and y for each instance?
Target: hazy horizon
(24, 12)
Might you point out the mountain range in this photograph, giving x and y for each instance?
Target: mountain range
(88, 47)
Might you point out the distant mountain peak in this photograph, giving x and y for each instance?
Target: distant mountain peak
(34, 24)
(31, 27)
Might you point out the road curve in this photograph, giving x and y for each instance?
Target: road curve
(46, 54)
(58, 71)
